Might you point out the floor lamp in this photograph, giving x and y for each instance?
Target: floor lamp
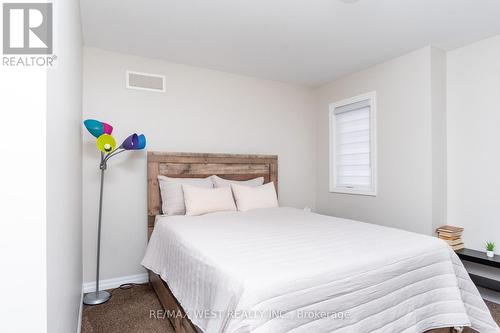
(106, 144)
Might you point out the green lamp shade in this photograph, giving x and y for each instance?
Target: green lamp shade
(106, 143)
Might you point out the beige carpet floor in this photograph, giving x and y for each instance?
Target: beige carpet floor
(134, 311)
(128, 311)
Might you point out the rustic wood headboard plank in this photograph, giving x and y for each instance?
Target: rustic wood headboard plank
(200, 165)
(212, 168)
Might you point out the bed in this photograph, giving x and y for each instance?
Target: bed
(288, 270)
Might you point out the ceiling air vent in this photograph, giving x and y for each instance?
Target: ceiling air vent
(145, 81)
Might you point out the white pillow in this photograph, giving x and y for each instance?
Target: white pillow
(221, 182)
(172, 197)
(200, 201)
(248, 198)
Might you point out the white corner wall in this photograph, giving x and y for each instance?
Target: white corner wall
(64, 172)
(407, 97)
(473, 98)
(201, 111)
(23, 103)
(438, 126)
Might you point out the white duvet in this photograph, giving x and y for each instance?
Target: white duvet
(287, 270)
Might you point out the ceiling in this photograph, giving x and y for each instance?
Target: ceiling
(308, 42)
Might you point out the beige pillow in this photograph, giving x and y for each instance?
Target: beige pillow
(248, 198)
(221, 182)
(172, 197)
(200, 201)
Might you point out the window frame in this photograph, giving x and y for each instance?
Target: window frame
(356, 190)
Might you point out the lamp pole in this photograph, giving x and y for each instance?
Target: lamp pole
(98, 297)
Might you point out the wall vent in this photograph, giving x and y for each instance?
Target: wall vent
(145, 81)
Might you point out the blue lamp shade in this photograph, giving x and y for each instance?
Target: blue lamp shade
(97, 128)
(141, 142)
(134, 142)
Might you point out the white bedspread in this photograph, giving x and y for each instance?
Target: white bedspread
(286, 270)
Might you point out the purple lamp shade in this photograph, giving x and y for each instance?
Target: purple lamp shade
(130, 142)
(134, 142)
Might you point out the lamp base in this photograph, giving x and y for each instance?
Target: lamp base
(96, 298)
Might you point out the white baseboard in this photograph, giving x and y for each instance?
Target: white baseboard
(116, 282)
(79, 327)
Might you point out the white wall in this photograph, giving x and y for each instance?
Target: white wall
(64, 172)
(473, 81)
(23, 103)
(201, 111)
(405, 133)
(439, 152)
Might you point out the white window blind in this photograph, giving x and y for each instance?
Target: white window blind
(352, 156)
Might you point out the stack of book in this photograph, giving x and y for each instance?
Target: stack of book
(452, 235)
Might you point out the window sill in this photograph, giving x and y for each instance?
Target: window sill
(367, 192)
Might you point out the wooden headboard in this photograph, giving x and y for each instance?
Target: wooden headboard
(196, 165)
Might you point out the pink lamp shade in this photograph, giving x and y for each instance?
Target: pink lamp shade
(108, 129)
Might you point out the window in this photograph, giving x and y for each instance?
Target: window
(353, 145)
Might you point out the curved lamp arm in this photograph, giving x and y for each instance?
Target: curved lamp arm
(132, 142)
(114, 153)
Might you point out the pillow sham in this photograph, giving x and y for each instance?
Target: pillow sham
(248, 198)
(221, 182)
(199, 201)
(172, 196)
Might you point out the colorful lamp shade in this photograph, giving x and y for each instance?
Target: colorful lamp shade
(141, 142)
(106, 143)
(97, 128)
(134, 142)
(108, 129)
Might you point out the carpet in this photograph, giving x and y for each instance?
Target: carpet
(138, 310)
(129, 310)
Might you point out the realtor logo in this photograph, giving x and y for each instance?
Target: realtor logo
(27, 28)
